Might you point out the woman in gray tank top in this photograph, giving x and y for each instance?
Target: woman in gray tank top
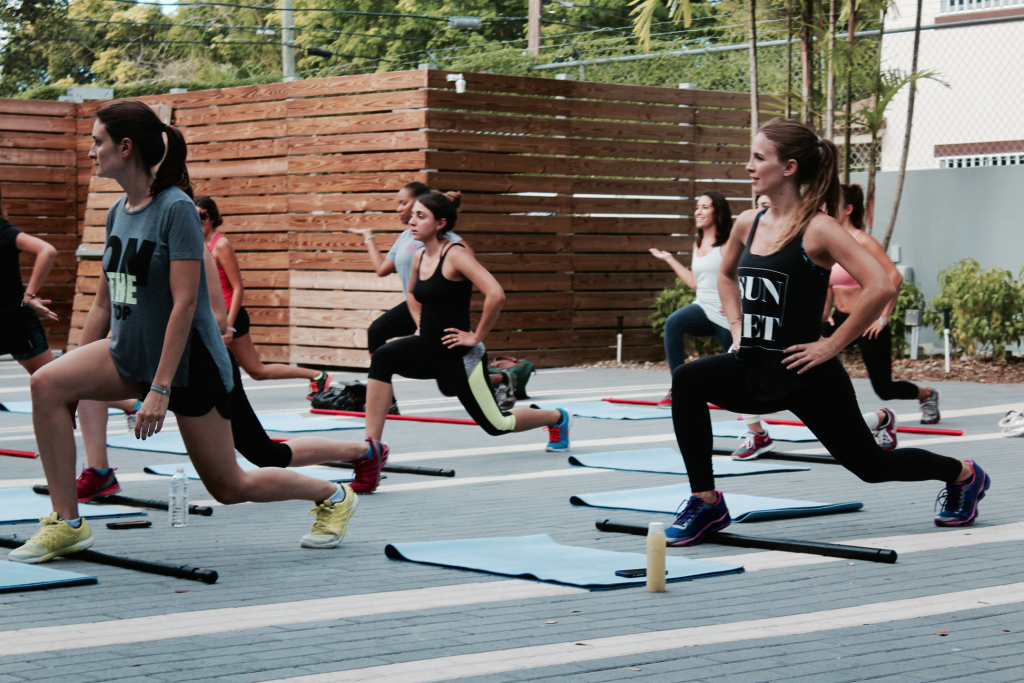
(165, 347)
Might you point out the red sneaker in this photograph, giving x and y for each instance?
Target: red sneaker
(92, 484)
(367, 468)
(755, 445)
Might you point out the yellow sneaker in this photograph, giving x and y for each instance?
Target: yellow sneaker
(331, 521)
(56, 538)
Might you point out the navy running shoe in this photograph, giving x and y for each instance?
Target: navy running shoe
(697, 520)
(960, 501)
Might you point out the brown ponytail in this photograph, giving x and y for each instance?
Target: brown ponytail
(817, 174)
(136, 121)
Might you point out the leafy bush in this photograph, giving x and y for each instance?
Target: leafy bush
(671, 300)
(909, 299)
(986, 308)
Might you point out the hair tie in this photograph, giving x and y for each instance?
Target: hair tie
(819, 141)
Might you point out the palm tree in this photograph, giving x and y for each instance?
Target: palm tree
(644, 11)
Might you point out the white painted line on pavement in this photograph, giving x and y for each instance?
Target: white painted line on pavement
(584, 650)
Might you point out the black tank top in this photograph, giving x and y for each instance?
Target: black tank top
(782, 296)
(444, 303)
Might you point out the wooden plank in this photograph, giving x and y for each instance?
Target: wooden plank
(355, 163)
(651, 205)
(37, 174)
(625, 281)
(362, 182)
(522, 244)
(40, 207)
(599, 262)
(39, 190)
(363, 282)
(325, 317)
(37, 124)
(628, 244)
(36, 107)
(303, 298)
(229, 169)
(36, 141)
(348, 358)
(631, 225)
(42, 226)
(329, 338)
(36, 157)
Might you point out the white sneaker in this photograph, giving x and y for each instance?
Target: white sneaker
(1013, 424)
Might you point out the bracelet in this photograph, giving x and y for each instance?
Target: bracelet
(736, 320)
(370, 237)
(24, 302)
(232, 329)
(160, 390)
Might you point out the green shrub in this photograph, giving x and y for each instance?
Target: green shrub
(986, 308)
(909, 299)
(671, 300)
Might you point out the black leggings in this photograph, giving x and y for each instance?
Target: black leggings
(397, 322)
(877, 355)
(410, 357)
(828, 407)
(251, 439)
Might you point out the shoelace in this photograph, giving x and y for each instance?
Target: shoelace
(689, 512)
(748, 440)
(950, 501)
(321, 521)
(554, 433)
(50, 524)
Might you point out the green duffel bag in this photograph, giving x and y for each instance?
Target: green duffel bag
(520, 367)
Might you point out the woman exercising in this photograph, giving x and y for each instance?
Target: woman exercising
(237, 337)
(876, 342)
(773, 281)
(446, 349)
(165, 348)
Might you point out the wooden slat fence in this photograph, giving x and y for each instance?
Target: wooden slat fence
(38, 184)
(566, 186)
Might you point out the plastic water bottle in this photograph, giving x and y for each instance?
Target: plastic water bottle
(656, 557)
(178, 507)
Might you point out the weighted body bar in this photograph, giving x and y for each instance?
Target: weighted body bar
(793, 457)
(136, 502)
(848, 552)
(903, 430)
(162, 568)
(399, 469)
(18, 454)
(712, 406)
(410, 418)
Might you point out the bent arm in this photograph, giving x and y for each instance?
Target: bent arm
(184, 281)
(410, 300)
(728, 278)
(681, 271)
(44, 253)
(228, 260)
(875, 249)
(216, 299)
(383, 266)
(494, 295)
(97, 322)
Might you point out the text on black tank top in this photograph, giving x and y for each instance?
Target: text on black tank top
(782, 297)
(444, 303)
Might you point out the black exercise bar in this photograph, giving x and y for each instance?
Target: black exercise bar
(163, 569)
(400, 469)
(134, 502)
(849, 552)
(795, 457)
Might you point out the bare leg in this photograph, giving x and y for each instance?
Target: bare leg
(212, 451)
(122, 405)
(33, 364)
(249, 360)
(314, 450)
(532, 418)
(92, 417)
(88, 372)
(379, 396)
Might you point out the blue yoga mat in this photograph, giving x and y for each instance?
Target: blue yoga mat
(603, 410)
(19, 505)
(667, 499)
(292, 422)
(15, 576)
(327, 474)
(727, 428)
(668, 461)
(542, 559)
(161, 442)
(25, 408)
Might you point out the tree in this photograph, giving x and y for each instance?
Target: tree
(644, 11)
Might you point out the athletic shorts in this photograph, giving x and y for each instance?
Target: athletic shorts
(23, 337)
(205, 391)
(241, 323)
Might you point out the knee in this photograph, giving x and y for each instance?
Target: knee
(43, 387)
(869, 471)
(228, 493)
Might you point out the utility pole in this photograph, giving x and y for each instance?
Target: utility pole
(533, 28)
(287, 40)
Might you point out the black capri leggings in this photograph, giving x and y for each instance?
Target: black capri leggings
(877, 355)
(828, 407)
(410, 357)
(251, 439)
(397, 322)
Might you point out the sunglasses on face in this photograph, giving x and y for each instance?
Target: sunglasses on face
(203, 215)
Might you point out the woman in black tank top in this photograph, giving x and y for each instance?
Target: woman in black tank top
(446, 348)
(773, 282)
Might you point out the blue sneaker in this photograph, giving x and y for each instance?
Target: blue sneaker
(960, 501)
(558, 434)
(697, 520)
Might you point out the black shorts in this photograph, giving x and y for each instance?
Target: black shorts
(241, 323)
(23, 336)
(205, 391)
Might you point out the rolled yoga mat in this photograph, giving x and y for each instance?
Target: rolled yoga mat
(668, 461)
(742, 508)
(22, 505)
(25, 408)
(540, 558)
(16, 576)
(327, 473)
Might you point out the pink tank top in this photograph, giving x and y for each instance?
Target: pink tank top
(225, 285)
(840, 279)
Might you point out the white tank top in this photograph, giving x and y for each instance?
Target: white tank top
(706, 270)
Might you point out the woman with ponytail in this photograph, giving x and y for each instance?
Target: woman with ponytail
(165, 347)
(773, 283)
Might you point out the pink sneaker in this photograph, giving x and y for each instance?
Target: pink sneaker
(885, 434)
(754, 445)
(367, 468)
(92, 484)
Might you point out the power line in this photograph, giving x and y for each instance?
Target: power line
(272, 8)
(257, 28)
